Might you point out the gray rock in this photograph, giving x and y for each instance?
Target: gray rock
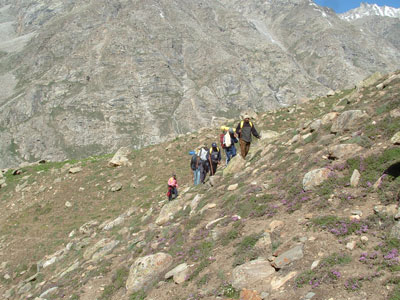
(115, 187)
(233, 187)
(75, 170)
(315, 125)
(88, 227)
(48, 292)
(355, 178)
(250, 274)
(396, 139)
(395, 113)
(314, 178)
(344, 151)
(179, 273)
(107, 249)
(25, 288)
(347, 120)
(395, 231)
(147, 269)
(91, 250)
(168, 211)
(329, 117)
(110, 225)
(309, 296)
(71, 268)
(121, 158)
(288, 257)
(235, 165)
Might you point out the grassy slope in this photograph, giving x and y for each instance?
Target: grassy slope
(35, 221)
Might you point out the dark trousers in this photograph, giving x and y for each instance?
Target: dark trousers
(214, 166)
(172, 192)
(244, 147)
(203, 170)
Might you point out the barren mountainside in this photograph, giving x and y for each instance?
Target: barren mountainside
(80, 78)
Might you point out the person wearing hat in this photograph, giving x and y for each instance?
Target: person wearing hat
(172, 188)
(214, 158)
(245, 130)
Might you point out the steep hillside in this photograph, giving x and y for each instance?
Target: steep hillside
(85, 77)
(310, 214)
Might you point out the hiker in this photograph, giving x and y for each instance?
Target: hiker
(228, 144)
(245, 129)
(203, 162)
(195, 166)
(214, 158)
(172, 188)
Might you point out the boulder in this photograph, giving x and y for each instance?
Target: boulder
(347, 120)
(115, 187)
(395, 113)
(108, 225)
(315, 125)
(355, 178)
(315, 177)
(75, 170)
(276, 224)
(236, 165)
(251, 274)
(90, 251)
(233, 187)
(120, 158)
(195, 202)
(329, 117)
(146, 269)
(179, 273)
(278, 282)
(396, 139)
(343, 150)
(395, 232)
(168, 211)
(108, 248)
(88, 227)
(288, 257)
(263, 245)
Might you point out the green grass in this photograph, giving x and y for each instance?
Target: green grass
(118, 281)
(230, 236)
(323, 273)
(244, 250)
(228, 290)
(140, 295)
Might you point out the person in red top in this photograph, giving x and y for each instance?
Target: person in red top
(172, 188)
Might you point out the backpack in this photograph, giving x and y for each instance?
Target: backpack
(193, 162)
(227, 140)
(203, 154)
(241, 124)
(214, 155)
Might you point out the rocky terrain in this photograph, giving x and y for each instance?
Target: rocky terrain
(312, 213)
(85, 77)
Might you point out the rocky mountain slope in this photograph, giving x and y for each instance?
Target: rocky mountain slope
(310, 214)
(87, 77)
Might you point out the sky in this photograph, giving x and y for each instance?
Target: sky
(340, 6)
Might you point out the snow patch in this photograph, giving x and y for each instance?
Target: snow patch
(366, 10)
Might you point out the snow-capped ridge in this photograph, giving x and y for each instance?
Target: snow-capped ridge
(367, 9)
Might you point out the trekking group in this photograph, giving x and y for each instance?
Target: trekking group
(206, 160)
